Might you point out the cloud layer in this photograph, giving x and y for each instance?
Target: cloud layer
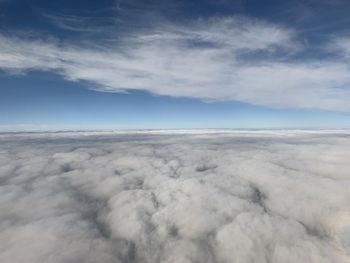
(233, 58)
(279, 196)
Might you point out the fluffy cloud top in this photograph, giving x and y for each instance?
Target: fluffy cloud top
(277, 196)
(232, 58)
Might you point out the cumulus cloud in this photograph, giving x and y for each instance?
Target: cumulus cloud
(234, 58)
(165, 196)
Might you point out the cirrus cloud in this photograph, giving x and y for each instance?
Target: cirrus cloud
(234, 58)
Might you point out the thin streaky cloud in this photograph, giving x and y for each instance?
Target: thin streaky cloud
(209, 59)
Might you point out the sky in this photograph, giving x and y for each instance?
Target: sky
(68, 65)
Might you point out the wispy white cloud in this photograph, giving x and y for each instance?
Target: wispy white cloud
(81, 24)
(217, 59)
(341, 44)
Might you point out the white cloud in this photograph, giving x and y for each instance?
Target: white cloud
(341, 44)
(215, 59)
(259, 196)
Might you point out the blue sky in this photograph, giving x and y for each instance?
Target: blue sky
(174, 64)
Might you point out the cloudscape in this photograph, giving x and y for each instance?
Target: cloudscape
(202, 64)
(174, 131)
(246, 59)
(248, 196)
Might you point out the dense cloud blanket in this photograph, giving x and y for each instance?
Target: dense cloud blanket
(258, 196)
